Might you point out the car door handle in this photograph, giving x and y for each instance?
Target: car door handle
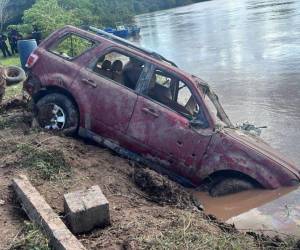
(150, 112)
(89, 82)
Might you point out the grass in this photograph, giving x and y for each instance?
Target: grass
(8, 123)
(193, 232)
(8, 61)
(190, 233)
(31, 238)
(13, 91)
(48, 164)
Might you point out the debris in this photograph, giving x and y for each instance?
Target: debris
(2, 202)
(42, 214)
(13, 104)
(86, 209)
(251, 128)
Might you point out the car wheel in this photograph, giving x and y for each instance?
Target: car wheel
(57, 112)
(230, 186)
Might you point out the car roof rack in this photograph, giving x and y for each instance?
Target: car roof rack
(129, 44)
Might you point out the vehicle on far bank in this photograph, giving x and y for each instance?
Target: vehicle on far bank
(142, 106)
(124, 31)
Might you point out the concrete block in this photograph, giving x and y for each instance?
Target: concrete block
(86, 209)
(42, 214)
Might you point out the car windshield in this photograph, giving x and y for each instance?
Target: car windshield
(212, 101)
(213, 109)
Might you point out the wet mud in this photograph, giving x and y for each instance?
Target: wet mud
(160, 189)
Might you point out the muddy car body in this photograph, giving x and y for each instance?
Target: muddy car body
(166, 117)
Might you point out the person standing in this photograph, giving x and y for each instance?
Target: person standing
(3, 45)
(13, 37)
(36, 34)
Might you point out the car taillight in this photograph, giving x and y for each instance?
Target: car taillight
(32, 59)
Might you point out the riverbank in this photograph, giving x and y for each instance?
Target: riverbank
(168, 218)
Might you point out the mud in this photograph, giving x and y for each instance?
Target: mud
(162, 190)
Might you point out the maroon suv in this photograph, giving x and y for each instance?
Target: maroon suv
(141, 105)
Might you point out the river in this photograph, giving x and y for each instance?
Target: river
(249, 52)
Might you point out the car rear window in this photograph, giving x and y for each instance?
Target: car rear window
(72, 46)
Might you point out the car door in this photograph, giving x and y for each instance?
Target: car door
(168, 134)
(108, 105)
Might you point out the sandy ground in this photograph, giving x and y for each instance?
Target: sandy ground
(148, 211)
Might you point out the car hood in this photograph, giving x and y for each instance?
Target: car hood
(257, 144)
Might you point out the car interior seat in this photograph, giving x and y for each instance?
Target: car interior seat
(116, 69)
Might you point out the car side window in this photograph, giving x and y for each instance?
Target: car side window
(174, 93)
(123, 69)
(72, 46)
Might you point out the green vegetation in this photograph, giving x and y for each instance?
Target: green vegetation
(49, 15)
(31, 238)
(12, 92)
(12, 123)
(14, 60)
(49, 164)
(72, 46)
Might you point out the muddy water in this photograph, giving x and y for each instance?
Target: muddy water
(249, 51)
(231, 205)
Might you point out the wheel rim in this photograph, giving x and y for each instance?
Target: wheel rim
(57, 120)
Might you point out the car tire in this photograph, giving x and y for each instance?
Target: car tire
(58, 113)
(14, 75)
(230, 186)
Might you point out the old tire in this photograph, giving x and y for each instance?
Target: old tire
(14, 75)
(230, 186)
(57, 112)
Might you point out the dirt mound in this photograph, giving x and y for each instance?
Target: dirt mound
(161, 189)
(16, 103)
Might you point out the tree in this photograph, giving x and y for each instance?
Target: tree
(49, 16)
(4, 17)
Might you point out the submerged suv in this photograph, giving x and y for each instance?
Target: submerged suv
(141, 105)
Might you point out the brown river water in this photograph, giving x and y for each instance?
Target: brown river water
(249, 52)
